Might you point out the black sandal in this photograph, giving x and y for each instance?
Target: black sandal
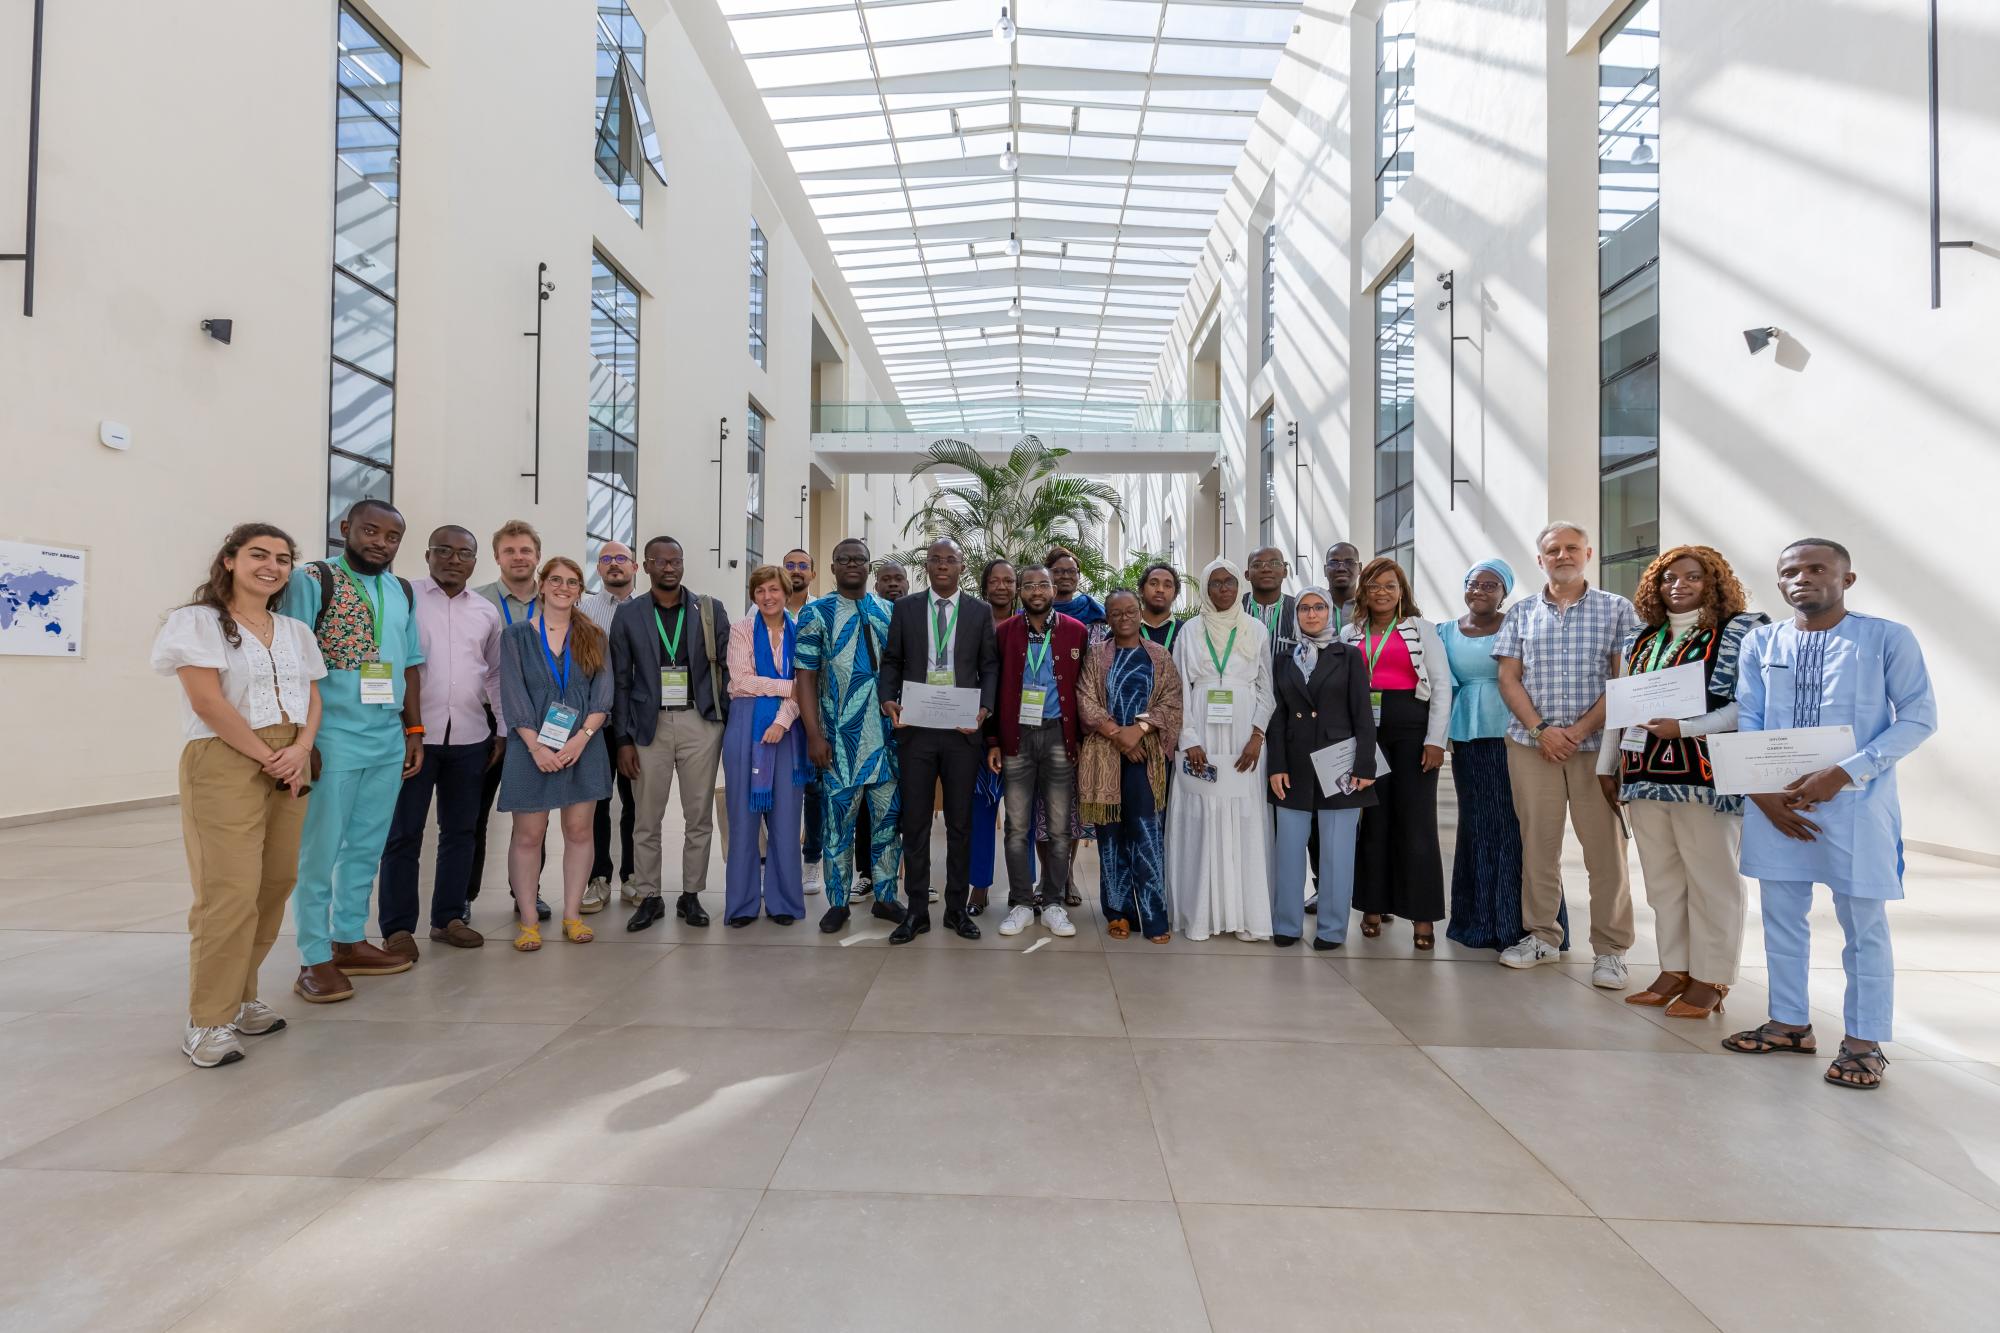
(1770, 1039)
(1851, 1069)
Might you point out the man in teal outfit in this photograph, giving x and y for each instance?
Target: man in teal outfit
(371, 737)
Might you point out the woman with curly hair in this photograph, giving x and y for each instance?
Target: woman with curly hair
(1691, 609)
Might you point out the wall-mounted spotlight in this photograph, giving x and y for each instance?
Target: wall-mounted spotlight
(218, 329)
(1759, 339)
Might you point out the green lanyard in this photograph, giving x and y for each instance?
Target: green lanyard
(1374, 650)
(1173, 628)
(1034, 663)
(944, 619)
(1336, 622)
(673, 645)
(1221, 663)
(372, 598)
(1662, 650)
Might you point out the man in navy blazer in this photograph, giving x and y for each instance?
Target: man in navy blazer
(942, 629)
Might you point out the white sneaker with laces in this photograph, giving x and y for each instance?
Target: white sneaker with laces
(1018, 919)
(629, 892)
(1529, 952)
(1607, 972)
(934, 895)
(863, 888)
(813, 879)
(256, 1018)
(209, 1047)
(1057, 920)
(596, 894)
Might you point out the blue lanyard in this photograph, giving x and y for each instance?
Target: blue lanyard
(508, 611)
(561, 678)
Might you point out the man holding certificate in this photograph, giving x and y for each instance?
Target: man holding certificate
(939, 674)
(1840, 825)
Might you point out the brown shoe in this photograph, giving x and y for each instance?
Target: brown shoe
(362, 959)
(459, 935)
(403, 943)
(322, 983)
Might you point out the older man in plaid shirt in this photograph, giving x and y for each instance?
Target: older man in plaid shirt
(1556, 650)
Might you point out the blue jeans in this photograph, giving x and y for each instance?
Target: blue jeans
(1870, 1007)
(1336, 872)
(455, 773)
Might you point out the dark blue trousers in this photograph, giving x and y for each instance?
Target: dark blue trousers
(456, 773)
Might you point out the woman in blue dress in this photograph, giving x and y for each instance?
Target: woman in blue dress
(764, 761)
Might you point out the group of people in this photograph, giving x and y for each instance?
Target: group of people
(1217, 760)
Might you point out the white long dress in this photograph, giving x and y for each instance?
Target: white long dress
(1219, 833)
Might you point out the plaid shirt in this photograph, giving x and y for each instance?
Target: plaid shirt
(1565, 656)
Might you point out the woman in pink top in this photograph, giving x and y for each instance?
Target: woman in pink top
(764, 761)
(1398, 869)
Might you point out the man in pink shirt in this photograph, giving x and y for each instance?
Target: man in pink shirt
(460, 632)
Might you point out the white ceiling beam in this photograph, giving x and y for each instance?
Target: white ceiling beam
(1045, 165)
(1027, 228)
(1028, 78)
(975, 319)
(1010, 278)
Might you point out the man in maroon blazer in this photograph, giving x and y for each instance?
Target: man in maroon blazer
(1031, 742)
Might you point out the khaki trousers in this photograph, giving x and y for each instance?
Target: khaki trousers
(242, 837)
(688, 746)
(1544, 795)
(1688, 852)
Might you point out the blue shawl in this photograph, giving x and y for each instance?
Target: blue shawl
(764, 758)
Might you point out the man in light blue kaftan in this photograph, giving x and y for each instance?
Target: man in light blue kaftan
(1840, 826)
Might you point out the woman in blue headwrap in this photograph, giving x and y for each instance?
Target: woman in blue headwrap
(1486, 867)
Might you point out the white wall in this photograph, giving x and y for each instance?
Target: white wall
(187, 165)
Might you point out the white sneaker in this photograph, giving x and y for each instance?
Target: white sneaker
(209, 1047)
(629, 892)
(934, 895)
(813, 879)
(595, 895)
(1056, 919)
(1018, 919)
(256, 1018)
(1530, 952)
(1607, 971)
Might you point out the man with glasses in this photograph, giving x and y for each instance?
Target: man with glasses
(1343, 575)
(616, 571)
(1269, 601)
(460, 673)
(798, 591)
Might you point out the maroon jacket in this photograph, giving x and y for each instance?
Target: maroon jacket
(1071, 638)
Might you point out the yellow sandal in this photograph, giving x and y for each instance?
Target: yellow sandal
(527, 939)
(576, 932)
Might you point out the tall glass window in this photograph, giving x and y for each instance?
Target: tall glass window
(759, 258)
(1396, 416)
(1395, 98)
(621, 64)
(368, 127)
(1628, 264)
(611, 507)
(1269, 313)
(753, 494)
(1267, 472)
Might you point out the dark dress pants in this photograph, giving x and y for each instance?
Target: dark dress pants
(600, 825)
(457, 774)
(930, 756)
(489, 791)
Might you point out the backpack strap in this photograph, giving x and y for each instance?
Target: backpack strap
(322, 573)
(714, 673)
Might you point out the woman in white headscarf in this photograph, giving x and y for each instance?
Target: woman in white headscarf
(1218, 826)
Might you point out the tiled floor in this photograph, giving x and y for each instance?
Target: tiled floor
(771, 1129)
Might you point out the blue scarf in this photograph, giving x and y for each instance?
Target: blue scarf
(764, 759)
(1082, 607)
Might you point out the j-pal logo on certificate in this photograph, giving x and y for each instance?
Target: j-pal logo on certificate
(41, 600)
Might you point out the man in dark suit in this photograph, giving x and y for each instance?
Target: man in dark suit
(670, 668)
(942, 636)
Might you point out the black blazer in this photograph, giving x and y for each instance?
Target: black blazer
(975, 658)
(1313, 714)
(635, 665)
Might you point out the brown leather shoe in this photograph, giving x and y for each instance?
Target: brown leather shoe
(322, 983)
(403, 943)
(362, 959)
(458, 935)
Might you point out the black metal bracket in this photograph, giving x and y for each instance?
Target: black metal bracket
(27, 255)
(721, 434)
(805, 491)
(1938, 244)
(542, 289)
(1298, 465)
(1448, 280)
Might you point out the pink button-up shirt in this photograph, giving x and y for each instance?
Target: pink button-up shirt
(461, 667)
(744, 682)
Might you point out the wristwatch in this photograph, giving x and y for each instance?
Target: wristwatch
(1535, 732)
(589, 732)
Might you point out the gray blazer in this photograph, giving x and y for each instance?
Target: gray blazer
(635, 665)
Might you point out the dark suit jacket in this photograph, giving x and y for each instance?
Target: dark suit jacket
(1313, 714)
(1069, 638)
(635, 664)
(905, 655)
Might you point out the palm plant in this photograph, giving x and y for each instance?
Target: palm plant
(1013, 510)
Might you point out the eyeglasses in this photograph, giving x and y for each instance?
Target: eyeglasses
(614, 559)
(797, 567)
(1484, 585)
(462, 553)
(562, 581)
(1266, 564)
(1385, 585)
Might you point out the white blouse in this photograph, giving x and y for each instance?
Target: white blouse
(266, 686)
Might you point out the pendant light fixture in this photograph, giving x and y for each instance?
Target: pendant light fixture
(1009, 159)
(1003, 31)
(1013, 245)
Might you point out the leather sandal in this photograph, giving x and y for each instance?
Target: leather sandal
(527, 939)
(1118, 928)
(1426, 941)
(1371, 926)
(1770, 1039)
(1662, 991)
(1860, 1070)
(576, 932)
(1683, 1008)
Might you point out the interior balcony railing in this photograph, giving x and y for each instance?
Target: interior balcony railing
(1025, 416)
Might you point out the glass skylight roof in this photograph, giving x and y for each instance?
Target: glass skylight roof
(1127, 118)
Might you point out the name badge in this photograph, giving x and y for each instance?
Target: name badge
(1375, 705)
(1222, 706)
(557, 724)
(1635, 739)
(941, 676)
(673, 689)
(378, 683)
(1033, 703)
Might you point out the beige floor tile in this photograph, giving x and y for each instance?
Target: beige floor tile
(1263, 1269)
(636, 1105)
(14, 943)
(87, 1250)
(1484, 1004)
(925, 1113)
(93, 865)
(1332, 1126)
(63, 1069)
(713, 986)
(559, 984)
(318, 1099)
(1042, 994)
(1983, 980)
(1825, 1279)
(126, 828)
(83, 964)
(1932, 1020)
(16, 892)
(106, 908)
(1688, 1138)
(451, 1255)
(970, 1265)
(1272, 998)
